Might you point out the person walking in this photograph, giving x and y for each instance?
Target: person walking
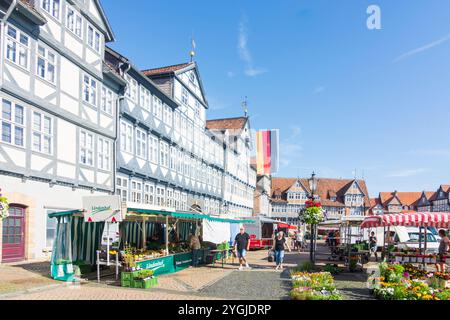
(279, 247)
(242, 246)
(299, 240)
(444, 246)
(373, 245)
(195, 245)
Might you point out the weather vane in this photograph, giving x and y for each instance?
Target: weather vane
(245, 106)
(194, 46)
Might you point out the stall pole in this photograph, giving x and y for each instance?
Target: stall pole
(425, 247)
(98, 266)
(420, 239)
(384, 243)
(167, 235)
(107, 244)
(144, 233)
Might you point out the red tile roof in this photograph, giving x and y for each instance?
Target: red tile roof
(227, 124)
(446, 188)
(167, 69)
(326, 188)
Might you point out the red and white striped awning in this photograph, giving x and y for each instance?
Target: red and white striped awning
(416, 219)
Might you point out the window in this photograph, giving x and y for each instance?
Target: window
(197, 108)
(107, 100)
(50, 229)
(168, 117)
(132, 88)
(164, 154)
(177, 121)
(153, 149)
(141, 144)
(136, 192)
(146, 99)
(86, 148)
(42, 133)
(12, 123)
(157, 107)
(104, 154)
(52, 7)
(17, 47)
(122, 188)
(74, 21)
(149, 194)
(173, 158)
(93, 38)
(160, 196)
(46, 62)
(126, 137)
(185, 96)
(90, 90)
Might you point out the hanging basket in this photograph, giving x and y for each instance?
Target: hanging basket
(4, 208)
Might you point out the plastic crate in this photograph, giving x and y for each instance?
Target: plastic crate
(145, 284)
(129, 276)
(126, 283)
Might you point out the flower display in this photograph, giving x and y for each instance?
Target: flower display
(313, 214)
(314, 286)
(4, 208)
(410, 283)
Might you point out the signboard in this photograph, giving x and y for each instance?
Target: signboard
(184, 260)
(160, 266)
(102, 209)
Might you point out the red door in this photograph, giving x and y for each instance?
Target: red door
(14, 235)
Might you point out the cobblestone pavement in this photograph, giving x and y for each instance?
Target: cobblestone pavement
(262, 282)
(24, 277)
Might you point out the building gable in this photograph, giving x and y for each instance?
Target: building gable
(190, 78)
(95, 11)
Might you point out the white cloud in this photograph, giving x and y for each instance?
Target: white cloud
(407, 173)
(244, 51)
(423, 48)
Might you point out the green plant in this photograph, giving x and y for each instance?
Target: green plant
(332, 268)
(305, 267)
(145, 274)
(4, 208)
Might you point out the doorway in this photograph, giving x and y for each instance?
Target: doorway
(13, 236)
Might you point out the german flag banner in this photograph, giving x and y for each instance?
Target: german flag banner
(267, 152)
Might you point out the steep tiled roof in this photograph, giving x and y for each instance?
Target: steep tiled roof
(374, 202)
(405, 198)
(326, 188)
(227, 124)
(446, 188)
(167, 69)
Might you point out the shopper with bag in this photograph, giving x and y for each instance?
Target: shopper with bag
(279, 247)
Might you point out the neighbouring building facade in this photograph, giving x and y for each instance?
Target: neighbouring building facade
(403, 202)
(57, 119)
(79, 119)
(339, 197)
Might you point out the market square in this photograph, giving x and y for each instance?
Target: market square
(136, 163)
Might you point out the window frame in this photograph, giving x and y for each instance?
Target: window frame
(47, 63)
(91, 90)
(18, 47)
(94, 39)
(104, 154)
(42, 134)
(76, 14)
(13, 124)
(84, 148)
(107, 97)
(51, 8)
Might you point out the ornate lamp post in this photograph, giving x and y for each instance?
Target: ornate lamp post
(313, 187)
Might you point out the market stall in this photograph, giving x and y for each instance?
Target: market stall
(422, 220)
(153, 240)
(349, 244)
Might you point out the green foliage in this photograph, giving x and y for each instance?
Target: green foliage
(332, 268)
(305, 267)
(145, 274)
(312, 215)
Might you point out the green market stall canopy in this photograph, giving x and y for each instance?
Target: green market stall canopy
(146, 212)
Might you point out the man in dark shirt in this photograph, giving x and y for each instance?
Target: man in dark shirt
(241, 246)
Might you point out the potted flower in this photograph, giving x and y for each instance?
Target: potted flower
(4, 207)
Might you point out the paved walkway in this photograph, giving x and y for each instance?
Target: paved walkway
(262, 282)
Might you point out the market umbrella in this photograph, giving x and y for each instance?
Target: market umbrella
(419, 219)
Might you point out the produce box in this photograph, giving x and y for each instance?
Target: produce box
(126, 283)
(129, 276)
(145, 284)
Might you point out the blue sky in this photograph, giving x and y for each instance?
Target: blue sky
(344, 97)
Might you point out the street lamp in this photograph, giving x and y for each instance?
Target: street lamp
(313, 181)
